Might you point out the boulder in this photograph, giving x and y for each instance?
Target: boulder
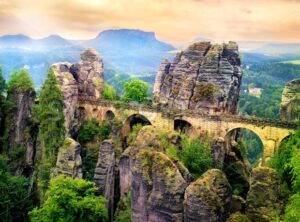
(263, 203)
(203, 77)
(208, 198)
(290, 102)
(69, 160)
(104, 176)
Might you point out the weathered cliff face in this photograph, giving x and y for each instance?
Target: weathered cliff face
(105, 173)
(290, 101)
(205, 77)
(208, 198)
(80, 80)
(17, 123)
(69, 160)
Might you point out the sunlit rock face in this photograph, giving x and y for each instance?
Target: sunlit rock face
(290, 101)
(80, 80)
(203, 77)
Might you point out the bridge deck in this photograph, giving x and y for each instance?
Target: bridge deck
(176, 113)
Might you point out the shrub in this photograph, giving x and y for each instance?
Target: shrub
(109, 93)
(71, 199)
(93, 131)
(196, 155)
(292, 213)
(134, 132)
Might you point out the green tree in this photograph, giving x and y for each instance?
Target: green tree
(292, 213)
(50, 118)
(20, 81)
(135, 90)
(69, 200)
(109, 93)
(15, 201)
(196, 155)
(93, 131)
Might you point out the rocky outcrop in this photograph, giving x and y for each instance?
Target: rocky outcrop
(204, 77)
(156, 182)
(69, 160)
(208, 198)
(104, 176)
(157, 188)
(263, 200)
(82, 80)
(290, 102)
(17, 123)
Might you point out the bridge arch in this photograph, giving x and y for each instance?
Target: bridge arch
(249, 140)
(131, 121)
(110, 115)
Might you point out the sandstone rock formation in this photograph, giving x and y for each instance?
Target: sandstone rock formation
(80, 80)
(156, 182)
(208, 198)
(157, 188)
(69, 159)
(263, 199)
(104, 176)
(204, 77)
(290, 102)
(17, 124)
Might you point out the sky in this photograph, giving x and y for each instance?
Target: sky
(174, 21)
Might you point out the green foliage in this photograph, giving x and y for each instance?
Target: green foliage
(20, 81)
(266, 106)
(123, 213)
(50, 116)
(196, 155)
(70, 200)
(15, 200)
(252, 146)
(134, 132)
(135, 90)
(93, 131)
(292, 212)
(109, 93)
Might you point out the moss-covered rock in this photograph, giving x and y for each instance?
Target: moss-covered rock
(69, 160)
(157, 188)
(263, 202)
(208, 198)
(238, 217)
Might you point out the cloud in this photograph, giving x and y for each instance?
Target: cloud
(175, 21)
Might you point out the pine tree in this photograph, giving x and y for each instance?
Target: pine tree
(51, 117)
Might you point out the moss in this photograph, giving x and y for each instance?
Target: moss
(238, 217)
(205, 91)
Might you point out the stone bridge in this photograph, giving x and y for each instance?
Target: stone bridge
(271, 132)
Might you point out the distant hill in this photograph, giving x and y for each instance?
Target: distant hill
(125, 50)
(130, 51)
